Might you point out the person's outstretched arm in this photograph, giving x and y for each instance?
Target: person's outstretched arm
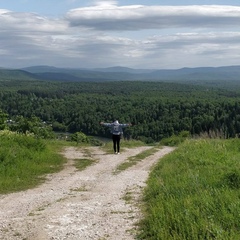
(125, 124)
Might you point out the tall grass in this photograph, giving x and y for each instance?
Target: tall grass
(24, 160)
(194, 193)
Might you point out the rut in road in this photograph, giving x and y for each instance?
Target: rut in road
(90, 204)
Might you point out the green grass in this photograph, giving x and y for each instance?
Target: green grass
(194, 193)
(25, 160)
(175, 140)
(83, 163)
(133, 160)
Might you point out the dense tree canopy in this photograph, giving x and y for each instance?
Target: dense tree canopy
(156, 109)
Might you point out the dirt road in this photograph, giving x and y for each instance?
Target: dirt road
(80, 205)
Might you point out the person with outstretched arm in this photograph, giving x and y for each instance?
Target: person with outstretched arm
(116, 130)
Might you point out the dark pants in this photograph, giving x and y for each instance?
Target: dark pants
(116, 142)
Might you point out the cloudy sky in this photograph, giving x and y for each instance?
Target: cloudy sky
(155, 34)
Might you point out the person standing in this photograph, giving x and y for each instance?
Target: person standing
(116, 130)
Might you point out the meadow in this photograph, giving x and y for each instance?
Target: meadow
(25, 160)
(193, 193)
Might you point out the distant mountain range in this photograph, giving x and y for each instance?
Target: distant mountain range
(228, 73)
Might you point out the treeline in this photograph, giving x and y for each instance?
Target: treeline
(157, 110)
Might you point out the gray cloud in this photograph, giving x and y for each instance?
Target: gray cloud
(139, 17)
(100, 36)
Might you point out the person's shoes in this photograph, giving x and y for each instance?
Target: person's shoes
(118, 153)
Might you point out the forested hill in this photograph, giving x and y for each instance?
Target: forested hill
(201, 74)
(81, 98)
(15, 74)
(156, 109)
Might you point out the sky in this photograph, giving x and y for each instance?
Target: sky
(140, 34)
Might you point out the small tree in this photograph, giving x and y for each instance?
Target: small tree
(32, 125)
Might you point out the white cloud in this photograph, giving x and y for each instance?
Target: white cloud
(137, 17)
(105, 3)
(2, 11)
(195, 49)
(105, 35)
(13, 21)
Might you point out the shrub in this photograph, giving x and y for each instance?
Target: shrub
(79, 137)
(175, 140)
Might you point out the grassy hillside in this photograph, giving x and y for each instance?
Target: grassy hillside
(24, 160)
(193, 193)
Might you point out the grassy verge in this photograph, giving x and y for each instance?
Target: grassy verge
(83, 163)
(193, 193)
(131, 161)
(25, 160)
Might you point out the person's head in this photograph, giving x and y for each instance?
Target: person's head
(116, 122)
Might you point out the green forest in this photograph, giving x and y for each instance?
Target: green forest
(156, 110)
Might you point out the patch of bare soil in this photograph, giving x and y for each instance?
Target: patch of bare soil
(91, 204)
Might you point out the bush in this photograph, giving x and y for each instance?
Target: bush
(175, 140)
(79, 137)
